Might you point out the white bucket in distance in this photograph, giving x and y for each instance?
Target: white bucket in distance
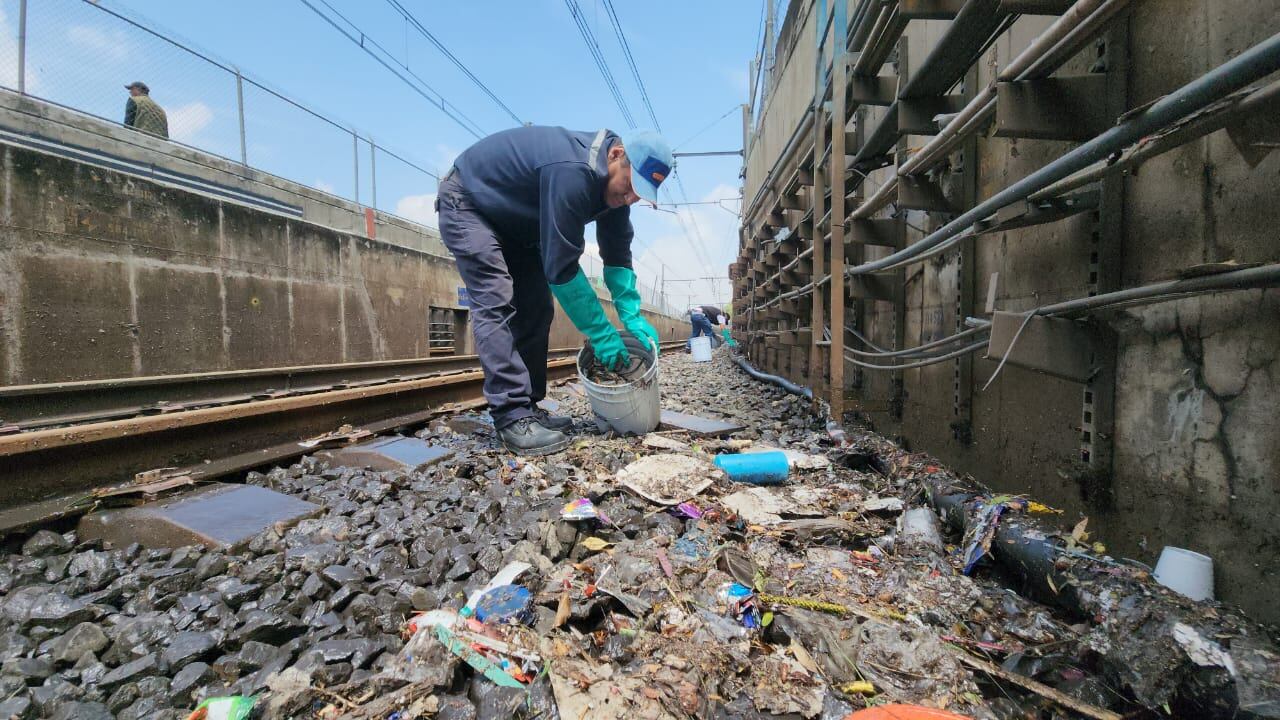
(1186, 572)
(632, 408)
(701, 347)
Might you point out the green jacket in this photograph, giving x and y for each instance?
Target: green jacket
(143, 113)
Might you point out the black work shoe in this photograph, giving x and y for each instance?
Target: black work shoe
(527, 436)
(555, 422)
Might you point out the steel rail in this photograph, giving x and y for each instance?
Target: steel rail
(49, 404)
(44, 467)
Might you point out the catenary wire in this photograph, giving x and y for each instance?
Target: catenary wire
(456, 115)
(422, 30)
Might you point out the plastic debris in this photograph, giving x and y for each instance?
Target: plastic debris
(977, 540)
(479, 651)
(688, 510)
(918, 529)
(582, 509)
(505, 576)
(236, 707)
(761, 468)
(741, 603)
(882, 505)
(505, 605)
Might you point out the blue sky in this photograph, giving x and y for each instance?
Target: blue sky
(692, 56)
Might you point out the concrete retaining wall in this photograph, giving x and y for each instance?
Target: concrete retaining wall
(106, 275)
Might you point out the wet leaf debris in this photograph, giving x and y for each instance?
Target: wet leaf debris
(623, 577)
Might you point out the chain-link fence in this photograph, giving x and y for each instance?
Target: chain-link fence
(80, 54)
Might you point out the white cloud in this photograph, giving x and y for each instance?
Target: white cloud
(103, 45)
(445, 155)
(418, 208)
(186, 121)
(667, 238)
(323, 186)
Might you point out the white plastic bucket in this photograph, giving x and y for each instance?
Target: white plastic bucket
(632, 408)
(1186, 572)
(701, 347)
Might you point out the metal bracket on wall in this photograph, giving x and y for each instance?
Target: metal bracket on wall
(929, 9)
(920, 193)
(877, 233)
(881, 90)
(1054, 346)
(1035, 7)
(916, 115)
(1056, 108)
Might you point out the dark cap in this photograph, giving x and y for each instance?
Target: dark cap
(140, 85)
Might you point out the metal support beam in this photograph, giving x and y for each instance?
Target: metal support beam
(22, 47)
(820, 123)
(929, 9)
(916, 115)
(921, 193)
(877, 233)
(838, 190)
(1056, 108)
(880, 90)
(244, 151)
(1035, 7)
(871, 287)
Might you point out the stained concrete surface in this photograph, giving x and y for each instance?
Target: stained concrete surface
(106, 275)
(1195, 441)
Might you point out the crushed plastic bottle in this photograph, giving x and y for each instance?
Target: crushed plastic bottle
(837, 434)
(236, 707)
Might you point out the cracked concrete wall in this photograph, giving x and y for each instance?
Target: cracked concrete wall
(107, 275)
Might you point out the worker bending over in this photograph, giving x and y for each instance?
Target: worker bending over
(699, 326)
(513, 211)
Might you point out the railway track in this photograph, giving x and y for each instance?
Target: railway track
(64, 440)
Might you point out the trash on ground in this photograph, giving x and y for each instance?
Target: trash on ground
(668, 479)
(762, 468)
(224, 708)
(768, 506)
(662, 442)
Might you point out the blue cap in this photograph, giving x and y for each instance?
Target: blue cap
(651, 161)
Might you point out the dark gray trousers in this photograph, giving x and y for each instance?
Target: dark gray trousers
(511, 312)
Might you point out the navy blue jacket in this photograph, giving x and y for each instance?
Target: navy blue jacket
(541, 186)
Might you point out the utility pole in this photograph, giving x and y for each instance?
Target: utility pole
(767, 69)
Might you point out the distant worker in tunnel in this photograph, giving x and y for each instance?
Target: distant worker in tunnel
(143, 113)
(513, 211)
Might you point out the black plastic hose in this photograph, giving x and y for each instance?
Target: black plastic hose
(778, 380)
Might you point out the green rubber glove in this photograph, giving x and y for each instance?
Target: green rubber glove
(579, 301)
(626, 299)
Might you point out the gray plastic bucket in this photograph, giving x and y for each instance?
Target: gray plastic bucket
(701, 348)
(632, 408)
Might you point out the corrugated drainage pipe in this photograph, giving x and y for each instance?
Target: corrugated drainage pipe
(781, 382)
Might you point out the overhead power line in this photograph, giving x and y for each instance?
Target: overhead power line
(601, 64)
(631, 62)
(364, 42)
(422, 30)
